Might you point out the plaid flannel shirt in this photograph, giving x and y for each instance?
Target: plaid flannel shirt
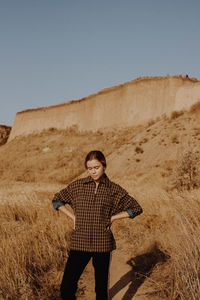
(93, 209)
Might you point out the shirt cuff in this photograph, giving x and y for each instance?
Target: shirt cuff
(58, 204)
(130, 212)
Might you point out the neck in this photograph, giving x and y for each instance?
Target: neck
(98, 180)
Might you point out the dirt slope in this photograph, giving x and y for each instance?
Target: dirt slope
(144, 153)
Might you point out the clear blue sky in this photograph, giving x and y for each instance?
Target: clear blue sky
(57, 50)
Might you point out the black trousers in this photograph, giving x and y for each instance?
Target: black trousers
(75, 266)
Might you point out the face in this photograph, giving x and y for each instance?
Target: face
(95, 169)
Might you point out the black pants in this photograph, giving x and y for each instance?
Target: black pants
(76, 263)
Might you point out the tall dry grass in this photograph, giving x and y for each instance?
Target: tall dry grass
(171, 225)
(35, 240)
(186, 251)
(34, 243)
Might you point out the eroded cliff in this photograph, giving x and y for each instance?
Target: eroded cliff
(128, 104)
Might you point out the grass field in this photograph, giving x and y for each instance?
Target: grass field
(35, 240)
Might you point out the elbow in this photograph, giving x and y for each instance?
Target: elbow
(57, 204)
(140, 208)
(140, 211)
(135, 212)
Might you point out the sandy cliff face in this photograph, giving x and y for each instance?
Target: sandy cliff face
(131, 103)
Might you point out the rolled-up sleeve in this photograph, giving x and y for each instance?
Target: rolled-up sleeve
(125, 202)
(62, 198)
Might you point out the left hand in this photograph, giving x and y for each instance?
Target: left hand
(112, 220)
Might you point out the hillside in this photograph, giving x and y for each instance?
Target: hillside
(153, 147)
(157, 162)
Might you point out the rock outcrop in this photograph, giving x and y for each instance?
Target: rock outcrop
(128, 104)
(4, 134)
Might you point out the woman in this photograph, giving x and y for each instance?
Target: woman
(96, 202)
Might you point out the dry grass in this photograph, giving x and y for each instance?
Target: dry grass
(56, 155)
(181, 280)
(168, 241)
(186, 251)
(35, 240)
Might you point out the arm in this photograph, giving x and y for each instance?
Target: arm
(119, 216)
(125, 206)
(61, 199)
(68, 213)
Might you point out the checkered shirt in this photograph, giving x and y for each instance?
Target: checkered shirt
(93, 210)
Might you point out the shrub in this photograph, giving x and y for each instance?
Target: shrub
(187, 175)
(175, 139)
(139, 149)
(144, 140)
(175, 114)
(195, 107)
(151, 122)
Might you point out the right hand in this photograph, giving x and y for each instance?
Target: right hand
(74, 222)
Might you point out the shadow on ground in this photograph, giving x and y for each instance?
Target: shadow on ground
(142, 266)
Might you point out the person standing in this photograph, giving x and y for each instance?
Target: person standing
(97, 202)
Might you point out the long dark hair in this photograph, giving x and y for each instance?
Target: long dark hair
(95, 154)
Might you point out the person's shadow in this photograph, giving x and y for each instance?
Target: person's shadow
(142, 267)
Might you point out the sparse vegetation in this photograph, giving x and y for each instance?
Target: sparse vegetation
(175, 114)
(139, 150)
(151, 122)
(143, 141)
(175, 139)
(61, 163)
(195, 107)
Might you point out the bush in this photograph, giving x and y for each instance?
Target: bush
(187, 175)
(195, 107)
(139, 150)
(175, 114)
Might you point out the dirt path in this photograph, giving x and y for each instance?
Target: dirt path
(128, 277)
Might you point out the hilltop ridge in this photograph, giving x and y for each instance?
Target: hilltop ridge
(112, 88)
